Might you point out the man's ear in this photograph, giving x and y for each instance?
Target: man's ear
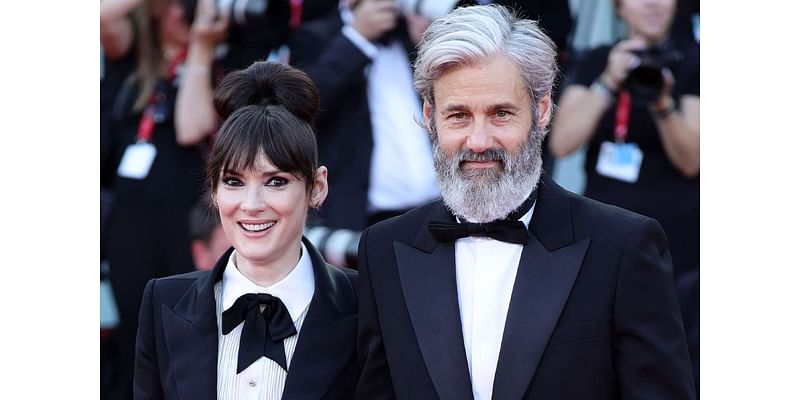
(545, 109)
(427, 109)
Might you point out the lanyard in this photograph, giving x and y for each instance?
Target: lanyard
(622, 116)
(154, 111)
(296, 13)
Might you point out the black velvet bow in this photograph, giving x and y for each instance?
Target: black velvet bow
(263, 332)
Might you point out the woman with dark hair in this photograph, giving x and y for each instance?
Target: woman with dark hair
(272, 319)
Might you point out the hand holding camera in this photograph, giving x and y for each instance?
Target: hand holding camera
(643, 70)
(621, 60)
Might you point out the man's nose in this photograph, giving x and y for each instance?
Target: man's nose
(480, 139)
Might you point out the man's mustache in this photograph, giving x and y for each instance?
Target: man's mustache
(488, 155)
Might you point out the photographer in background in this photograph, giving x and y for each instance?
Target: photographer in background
(637, 105)
(379, 157)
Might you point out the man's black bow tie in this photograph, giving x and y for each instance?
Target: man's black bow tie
(263, 332)
(507, 230)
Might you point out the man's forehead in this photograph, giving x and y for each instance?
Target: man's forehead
(497, 80)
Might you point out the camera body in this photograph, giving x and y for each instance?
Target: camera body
(645, 82)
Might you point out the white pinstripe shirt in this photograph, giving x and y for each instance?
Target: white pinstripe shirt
(264, 379)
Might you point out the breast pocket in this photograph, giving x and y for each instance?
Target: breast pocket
(574, 333)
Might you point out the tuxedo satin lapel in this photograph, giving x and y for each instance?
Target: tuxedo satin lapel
(328, 335)
(543, 284)
(428, 281)
(190, 329)
(552, 218)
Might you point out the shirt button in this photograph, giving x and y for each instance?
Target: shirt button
(252, 383)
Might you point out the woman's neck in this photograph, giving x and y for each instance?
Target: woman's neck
(268, 272)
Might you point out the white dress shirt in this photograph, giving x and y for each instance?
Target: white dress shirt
(485, 273)
(264, 379)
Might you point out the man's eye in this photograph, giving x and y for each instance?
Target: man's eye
(277, 181)
(229, 181)
(503, 114)
(459, 115)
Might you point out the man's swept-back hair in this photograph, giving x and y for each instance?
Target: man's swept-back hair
(469, 35)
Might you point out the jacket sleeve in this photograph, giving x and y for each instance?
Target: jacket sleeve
(650, 350)
(146, 380)
(374, 381)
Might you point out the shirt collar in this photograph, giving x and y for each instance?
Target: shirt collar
(295, 290)
(345, 12)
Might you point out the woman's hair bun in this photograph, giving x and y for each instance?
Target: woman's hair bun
(268, 83)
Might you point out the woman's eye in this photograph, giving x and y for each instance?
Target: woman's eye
(277, 181)
(230, 181)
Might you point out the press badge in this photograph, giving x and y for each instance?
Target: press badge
(621, 161)
(137, 160)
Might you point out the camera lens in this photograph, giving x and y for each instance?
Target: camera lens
(645, 82)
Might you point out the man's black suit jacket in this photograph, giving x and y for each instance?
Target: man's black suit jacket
(177, 342)
(593, 314)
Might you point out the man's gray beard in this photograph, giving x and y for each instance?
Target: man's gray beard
(488, 194)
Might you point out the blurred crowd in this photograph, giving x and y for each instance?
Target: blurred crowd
(628, 98)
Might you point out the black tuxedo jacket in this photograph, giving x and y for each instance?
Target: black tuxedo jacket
(593, 313)
(177, 343)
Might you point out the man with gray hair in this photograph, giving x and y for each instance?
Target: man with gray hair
(511, 287)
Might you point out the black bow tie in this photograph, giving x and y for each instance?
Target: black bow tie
(263, 332)
(507, 230)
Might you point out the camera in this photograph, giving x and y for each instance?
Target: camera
(256, 27)
(242, 12)
(645, 82)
